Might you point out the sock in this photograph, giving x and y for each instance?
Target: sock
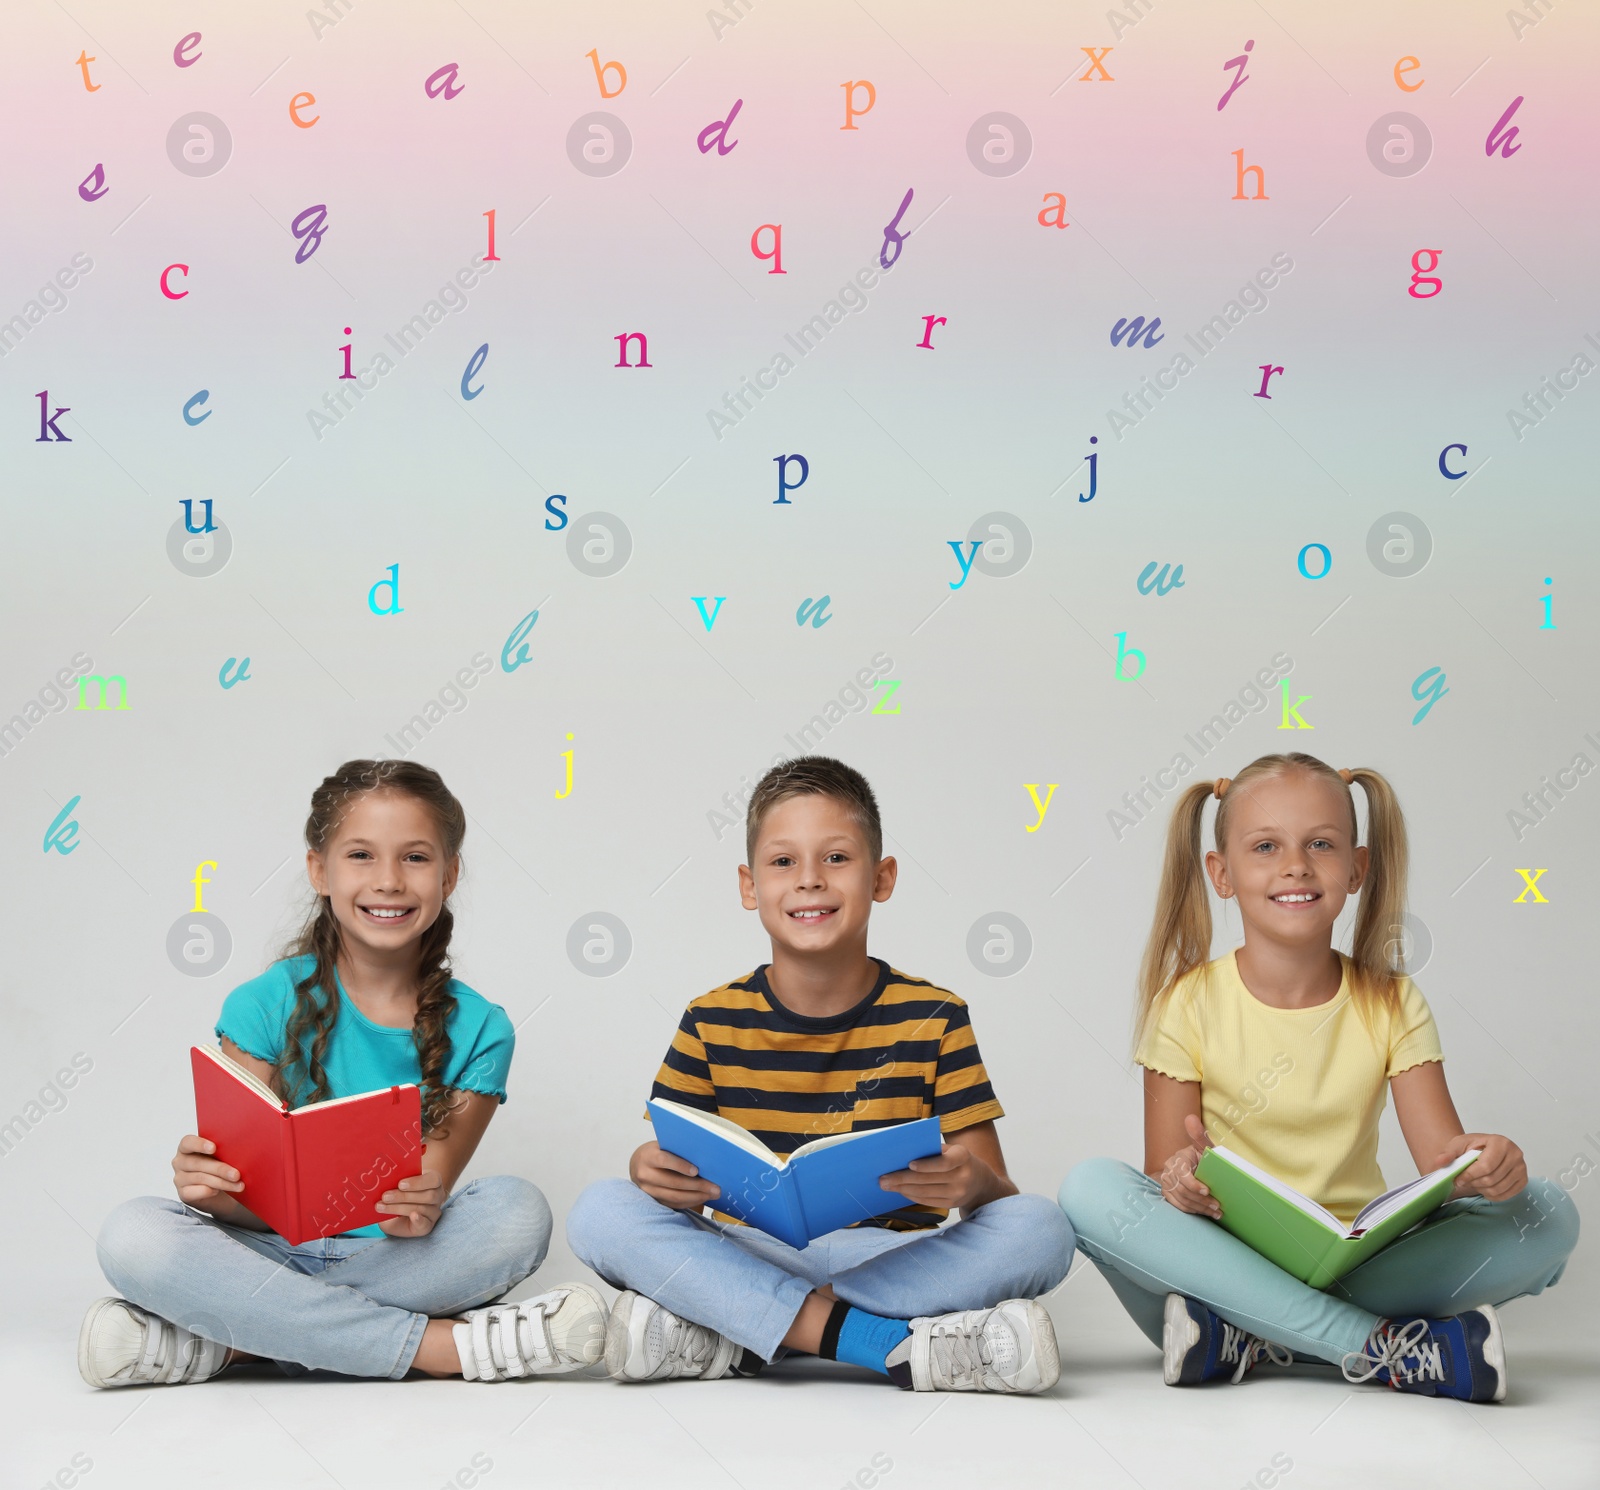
(746, 1363)
(861, 1339)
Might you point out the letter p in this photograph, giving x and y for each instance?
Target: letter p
(850, 109)
(785, 486)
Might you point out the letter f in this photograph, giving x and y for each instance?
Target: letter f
(200, 879)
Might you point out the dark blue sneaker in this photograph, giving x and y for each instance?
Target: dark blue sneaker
(1197, 1345)
(1462, 1357)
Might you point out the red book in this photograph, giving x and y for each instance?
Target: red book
(313, 1171)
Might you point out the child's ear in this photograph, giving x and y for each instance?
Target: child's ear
(1217, 871)
(1358, 870)
(747, 888)
(451, 874)
(315, 871)
(883, 881)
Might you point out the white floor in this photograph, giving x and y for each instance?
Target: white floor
(812, 1425)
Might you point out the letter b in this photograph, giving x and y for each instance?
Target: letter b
(600, 71)
(1124, 651)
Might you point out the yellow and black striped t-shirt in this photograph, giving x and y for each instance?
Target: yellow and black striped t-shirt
(905, 1051)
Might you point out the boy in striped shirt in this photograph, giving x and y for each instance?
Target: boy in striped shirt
(826, 1039)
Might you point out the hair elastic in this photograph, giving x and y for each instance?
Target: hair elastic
(1347, 776)
(1223, 783)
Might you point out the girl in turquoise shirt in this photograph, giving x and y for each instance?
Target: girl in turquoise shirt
(365, 1000)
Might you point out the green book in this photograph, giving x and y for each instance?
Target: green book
(1303, 1238)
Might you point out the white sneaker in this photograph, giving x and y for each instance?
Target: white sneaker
(552, 1333)
(1009, 1348)
(645, 1342)
(121, 1345)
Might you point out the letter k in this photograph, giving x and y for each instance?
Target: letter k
(47, 425)
(1294, 709)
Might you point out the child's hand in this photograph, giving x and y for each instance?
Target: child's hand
(955, 1179)
(200, 1181)
(414, 1207)
(1178, 1183)
(669, 1179)
(1498, 1173)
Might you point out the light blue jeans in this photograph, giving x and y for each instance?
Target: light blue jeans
(355, 1305)
(749, 1286)
(1469, 1252)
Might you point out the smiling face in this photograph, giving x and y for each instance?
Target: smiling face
(1290, 858)
(384, 872)
(813, 878)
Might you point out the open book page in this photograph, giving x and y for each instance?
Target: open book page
(1287, 1192)
(359, 1097)
(261, 1089)
(1377, 1211)
(724, 1128)
(238, 1072)
(828, 1141)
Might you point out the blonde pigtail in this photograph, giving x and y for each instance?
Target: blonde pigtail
(1180, 938)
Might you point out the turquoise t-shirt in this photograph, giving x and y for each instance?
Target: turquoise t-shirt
(363, 1056)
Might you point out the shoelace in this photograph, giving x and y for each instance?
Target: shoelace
(1386, 1350)
(958, 1354)
(686, 1344)
(1248, 1349)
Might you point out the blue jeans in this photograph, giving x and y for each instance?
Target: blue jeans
(1468, 1252)
(749, 1286)
(355, 1305)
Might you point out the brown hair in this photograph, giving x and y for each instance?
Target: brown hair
(814, 776)
(1180, 938)
(298, 1073)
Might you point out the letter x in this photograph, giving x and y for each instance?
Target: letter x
(1097, 56)
(1532, 876)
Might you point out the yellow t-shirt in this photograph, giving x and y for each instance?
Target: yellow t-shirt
(1296, 1091)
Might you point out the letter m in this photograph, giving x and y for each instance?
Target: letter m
(13, 1133)
(1134, 327)
(101, 685)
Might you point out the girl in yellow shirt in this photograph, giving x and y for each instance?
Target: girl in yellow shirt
(1286, 1050)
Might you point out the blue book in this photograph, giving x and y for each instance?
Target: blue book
(823, 1185)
